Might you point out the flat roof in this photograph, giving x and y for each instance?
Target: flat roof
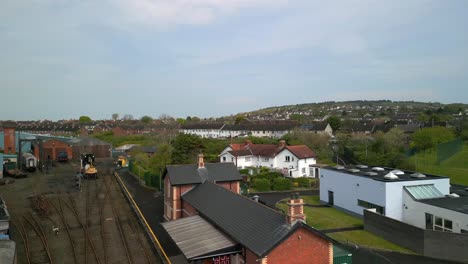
(458, 204)
(384, 174)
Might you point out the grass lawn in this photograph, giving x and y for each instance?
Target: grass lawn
(364, 238)
(455, 167)
(325, 217)
(328, 218)
(308, 199)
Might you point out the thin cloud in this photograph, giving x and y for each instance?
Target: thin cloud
(163, 14)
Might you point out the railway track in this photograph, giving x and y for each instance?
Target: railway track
(92, 225)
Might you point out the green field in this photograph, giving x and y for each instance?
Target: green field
(455, 167)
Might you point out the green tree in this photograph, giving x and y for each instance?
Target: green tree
(335, 122)
(185, 148)
(85, 119)
(159, 160)
(428, 138)
(115, 116)
(181, 121)
(146, 119)
(240, 119)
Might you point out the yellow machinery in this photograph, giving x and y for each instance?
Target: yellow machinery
(122, 162)
(87, 166)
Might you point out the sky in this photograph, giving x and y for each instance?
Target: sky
(61, 59)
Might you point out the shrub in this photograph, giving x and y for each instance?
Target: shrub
(302, 182)
(281, 184)
(244, 171)
(261, 185)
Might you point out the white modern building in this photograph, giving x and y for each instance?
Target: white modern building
(293, 161)
(414, 198)
(436, 211)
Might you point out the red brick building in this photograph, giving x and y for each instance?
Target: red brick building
(213, 223)
(51, 148)
(178, 179)
(9, 137)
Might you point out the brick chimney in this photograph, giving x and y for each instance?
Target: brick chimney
(282, 144)
(201, 162)
(295, 209)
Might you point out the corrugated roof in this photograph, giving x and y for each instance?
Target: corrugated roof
(196, 237)
(191, 174)
(255, 226)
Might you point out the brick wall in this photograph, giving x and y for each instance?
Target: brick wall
(233, 186)
(250, 257)
(302, 246)
(9, 145)
(53, 147)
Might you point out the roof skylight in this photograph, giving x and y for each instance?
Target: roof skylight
(427, 191)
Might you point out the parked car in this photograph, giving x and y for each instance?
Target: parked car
(62, 156)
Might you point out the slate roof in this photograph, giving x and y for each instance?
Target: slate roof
(459, 204)
(255, 226)
(266, 150)
(191, 174)
(202, 126)
(315, 126)
(88, 141)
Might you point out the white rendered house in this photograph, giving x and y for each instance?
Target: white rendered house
(293, 161)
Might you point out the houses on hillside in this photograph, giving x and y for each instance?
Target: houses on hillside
(76, 128)
(212, 223)
(293, 161)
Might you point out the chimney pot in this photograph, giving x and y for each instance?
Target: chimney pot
(201, 161)
(282, 143)
(255, 198)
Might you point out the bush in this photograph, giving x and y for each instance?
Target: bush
(281, 184)
(261, 185)
(244, 171)
(302, 182)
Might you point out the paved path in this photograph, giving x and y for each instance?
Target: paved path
(151, 204)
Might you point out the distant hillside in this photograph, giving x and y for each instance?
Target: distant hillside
(351, 109)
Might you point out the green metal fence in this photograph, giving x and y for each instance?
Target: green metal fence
(447, 150)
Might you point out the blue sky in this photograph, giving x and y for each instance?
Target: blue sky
(61, 59)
